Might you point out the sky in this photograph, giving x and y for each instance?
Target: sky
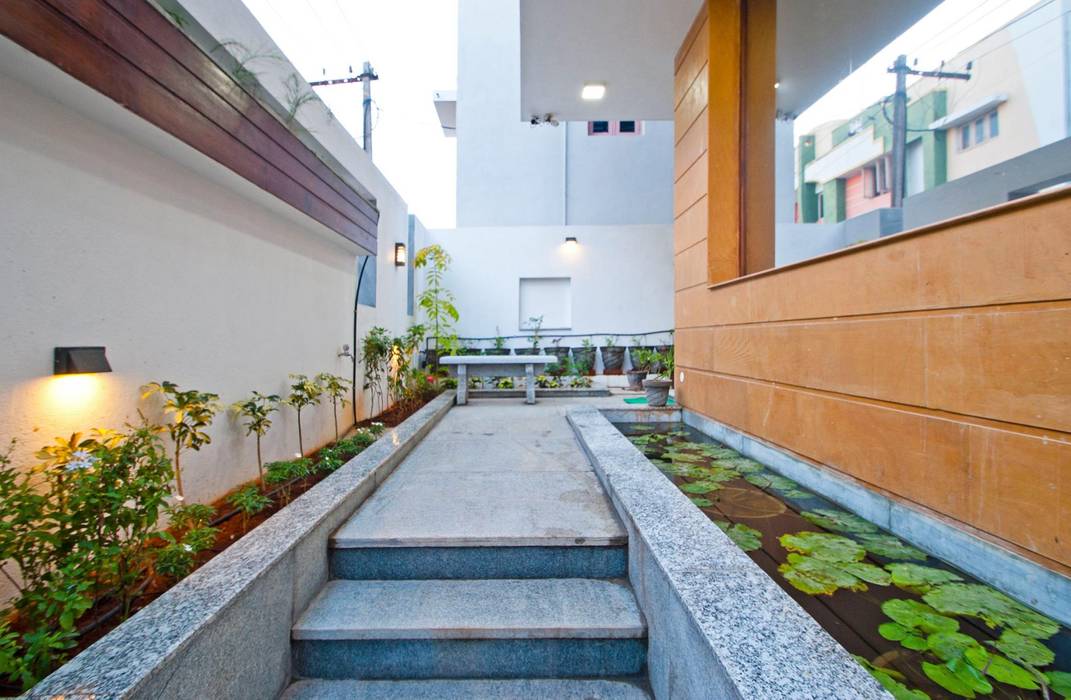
(412, 45)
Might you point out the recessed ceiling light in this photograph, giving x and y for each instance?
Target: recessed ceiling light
(593, 91)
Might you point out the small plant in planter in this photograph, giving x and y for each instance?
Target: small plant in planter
(584, 358)
(336, 388)
(546, 382)
(250, 501)
(304, 392)
(535, 323)
(504, 383)
(579, 382)
(658, 388)
(285, 472)
(190, 535)
(642, 361)
(613, 356)
(475, 382)
(560, 352)
(257, 410)
(191, 413)
(498, 345)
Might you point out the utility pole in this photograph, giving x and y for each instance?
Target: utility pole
(899, 143)
(366, 77)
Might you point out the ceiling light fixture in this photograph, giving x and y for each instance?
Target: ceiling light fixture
(593, 91)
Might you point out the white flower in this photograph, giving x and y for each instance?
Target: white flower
(80, 459)
(187, 547)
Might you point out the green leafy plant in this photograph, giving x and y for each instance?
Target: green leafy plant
(499, 341)
(191, 413)
(917, 578)
(250, 501)
(666, 364)
(376, 348)
(839, 521)
(298, 94)
(243, 59)
(257, 410)
(504, 383)
(580, 382)
(336, 389)
(403, 383)
(821, 563)
(890, 547)
(304, 392)
(546, 382)
(436, 300)
(190, 535)
(535, 323)
(285, 473)
(643, 358)
(992, 607)
(893, 681)
(746, 538)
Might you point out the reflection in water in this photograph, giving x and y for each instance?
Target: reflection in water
(922, 628)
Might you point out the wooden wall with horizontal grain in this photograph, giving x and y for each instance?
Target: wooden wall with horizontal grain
(933, 366)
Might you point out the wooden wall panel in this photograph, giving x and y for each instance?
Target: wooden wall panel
(696, 49)
(934, 366)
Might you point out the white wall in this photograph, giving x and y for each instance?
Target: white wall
(621, 276)
(117, 234)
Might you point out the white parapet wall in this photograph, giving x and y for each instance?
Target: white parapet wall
(620, 279)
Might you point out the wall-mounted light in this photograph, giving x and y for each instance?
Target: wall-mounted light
(400, 257)
(570, 242)
(593, 91)
(79, 360)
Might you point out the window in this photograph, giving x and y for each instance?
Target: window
(965, 137)
(994, 125)
(979, 131)
(876, 178)
(626, 127)
(821, 206)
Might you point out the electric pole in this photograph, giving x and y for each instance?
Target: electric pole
(899, 142)
(366, 77)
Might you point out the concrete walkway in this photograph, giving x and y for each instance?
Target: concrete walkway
(490, 564)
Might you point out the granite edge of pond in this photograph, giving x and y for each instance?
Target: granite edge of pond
(752, 639)
(127, 661)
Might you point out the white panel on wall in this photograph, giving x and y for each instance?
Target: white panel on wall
(549, 297)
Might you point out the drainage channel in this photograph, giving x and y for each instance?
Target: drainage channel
(920, 626)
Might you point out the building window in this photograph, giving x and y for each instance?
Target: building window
(979, 131)
(994, 124)
(983, 131)
(626, 127)
(821, 201)
(965, 137)
(876, 178)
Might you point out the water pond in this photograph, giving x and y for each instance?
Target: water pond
(922, 628)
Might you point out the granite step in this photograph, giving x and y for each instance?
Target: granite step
(503, 628)
(509, 689)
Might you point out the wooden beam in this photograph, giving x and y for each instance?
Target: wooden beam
(758, 117)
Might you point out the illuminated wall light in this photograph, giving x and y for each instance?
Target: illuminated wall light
(570, 242)
(593, 91)
(80, 360)
(400, 255)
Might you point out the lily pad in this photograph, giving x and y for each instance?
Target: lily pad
(1000, 669)
(992, 607)
(818, 577)
(890, 547)
(700, 501)
(1024, 649)
(908, 637)
(684, 457)
(892, 681)
(960, 679)
(948, 646)
(822, 545)
(918, 616)
(1059, 683)
(772, 481)
(839, 521)
(919, 579)
(713, 472)
(700, 487)
(743, 465)
(746, 538)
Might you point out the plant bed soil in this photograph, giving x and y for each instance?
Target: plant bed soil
(103, 617)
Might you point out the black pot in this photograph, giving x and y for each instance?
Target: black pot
(613, 359)
(496, 351)
(559, 352)
(635, 379)
(585, 357)
(469, 351)
(657, 391)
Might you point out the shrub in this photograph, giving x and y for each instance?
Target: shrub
(285, 472)
(191, 412)
(504, 383)
(257, 410)
(250, 501)
(580, 382)
(336, 388)
(303, 392)
(190, 534)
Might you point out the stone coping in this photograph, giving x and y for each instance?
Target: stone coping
(180, 627)
(566, 392)
(498, 360)
(718, 625)
(1010, 572)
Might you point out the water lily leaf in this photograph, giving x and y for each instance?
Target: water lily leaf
(890, 547)
(1000, 668)
(1059, 682)
(818, 577)
(892, 681)
(919, 579)
(918, 616)
(823, 545)
(700, 487)
(867, 572)
(1024, 649)
(893, 631)
(744, 465)
(948, 646)
(992, 607)
(700, 501)
(684, 457)
(772, 481)
(943, 676)
(746, 538)
(839, 520)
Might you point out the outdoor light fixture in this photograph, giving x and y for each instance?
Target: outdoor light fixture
(83, 360)
(399, 255)
(593, 91)
(571, 241)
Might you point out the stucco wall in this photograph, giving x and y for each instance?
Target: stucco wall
(621, 276)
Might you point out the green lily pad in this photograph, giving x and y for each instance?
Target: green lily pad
(684, 457)
(948, 646)
(818, 577)
(918, 616)
(1024, 649)
(895, 632)
(890, 547)
(839, 521)
(1059, 683)
(823, 545)
(700, 501)
(771, 481)
(1000, 669)
(919, 579)
(892, 681)
(700, 487)
(958, 677)
(746, 538)
(744, 465)
(992, 607)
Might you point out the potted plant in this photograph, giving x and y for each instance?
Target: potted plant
(556, 349)
(535, 323)
(467, 348)
(499, 343)
(642, 359)
(658, 388)
(584, 358)
(613, 356)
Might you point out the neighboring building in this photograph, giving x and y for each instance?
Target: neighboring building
(1018, 99)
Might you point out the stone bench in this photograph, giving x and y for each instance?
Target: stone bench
(527, 366)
